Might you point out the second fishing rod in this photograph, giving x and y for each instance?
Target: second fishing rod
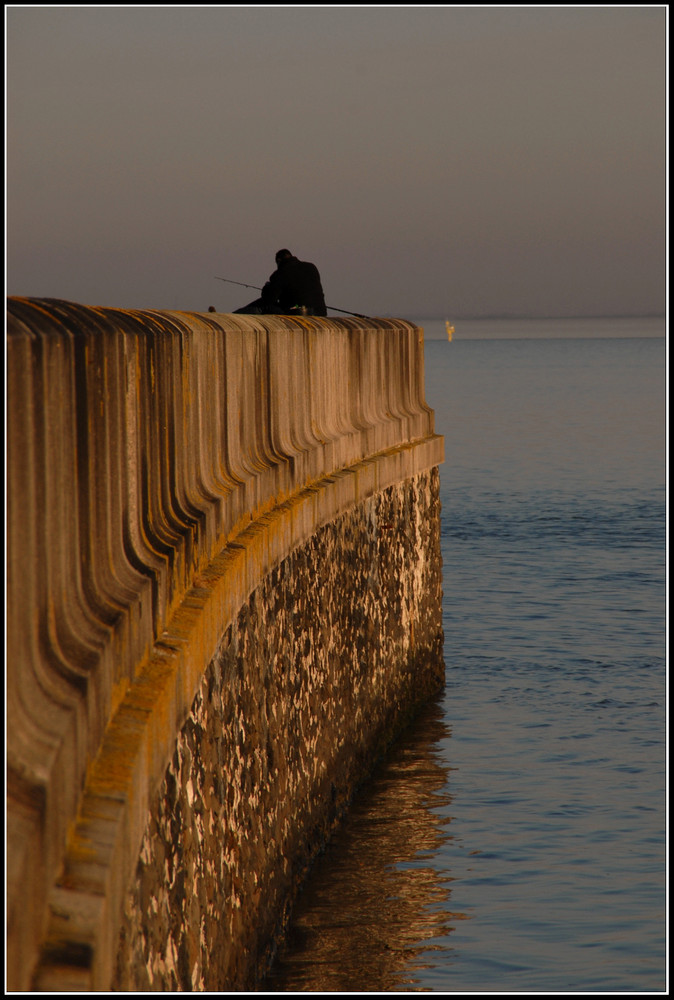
(257, 288)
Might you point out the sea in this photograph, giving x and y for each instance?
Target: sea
(515, 838)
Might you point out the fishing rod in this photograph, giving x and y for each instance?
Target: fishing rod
(258, 289)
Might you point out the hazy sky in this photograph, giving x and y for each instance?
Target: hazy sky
(431, 160)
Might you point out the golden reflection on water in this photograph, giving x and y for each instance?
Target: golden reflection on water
(375, 909)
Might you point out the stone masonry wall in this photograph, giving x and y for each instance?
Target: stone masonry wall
(161, 467)
(323, 665)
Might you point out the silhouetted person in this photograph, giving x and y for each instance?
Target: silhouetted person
(294, 289)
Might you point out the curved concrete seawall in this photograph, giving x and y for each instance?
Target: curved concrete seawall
(223, 601)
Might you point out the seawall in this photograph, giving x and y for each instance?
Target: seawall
(223, 601)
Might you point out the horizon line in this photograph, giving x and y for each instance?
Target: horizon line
(518, 316)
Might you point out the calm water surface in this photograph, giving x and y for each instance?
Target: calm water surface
(514, 839)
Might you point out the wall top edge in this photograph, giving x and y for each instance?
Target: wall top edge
(58, 309)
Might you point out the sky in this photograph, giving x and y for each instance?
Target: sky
(432, 161)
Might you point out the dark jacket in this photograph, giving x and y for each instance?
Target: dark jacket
(294, 287)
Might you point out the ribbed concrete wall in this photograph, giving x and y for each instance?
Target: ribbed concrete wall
(160, 465)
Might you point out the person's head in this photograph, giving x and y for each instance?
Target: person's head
(282, 255)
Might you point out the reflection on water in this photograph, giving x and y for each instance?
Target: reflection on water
(375, 908)
(553, 541)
